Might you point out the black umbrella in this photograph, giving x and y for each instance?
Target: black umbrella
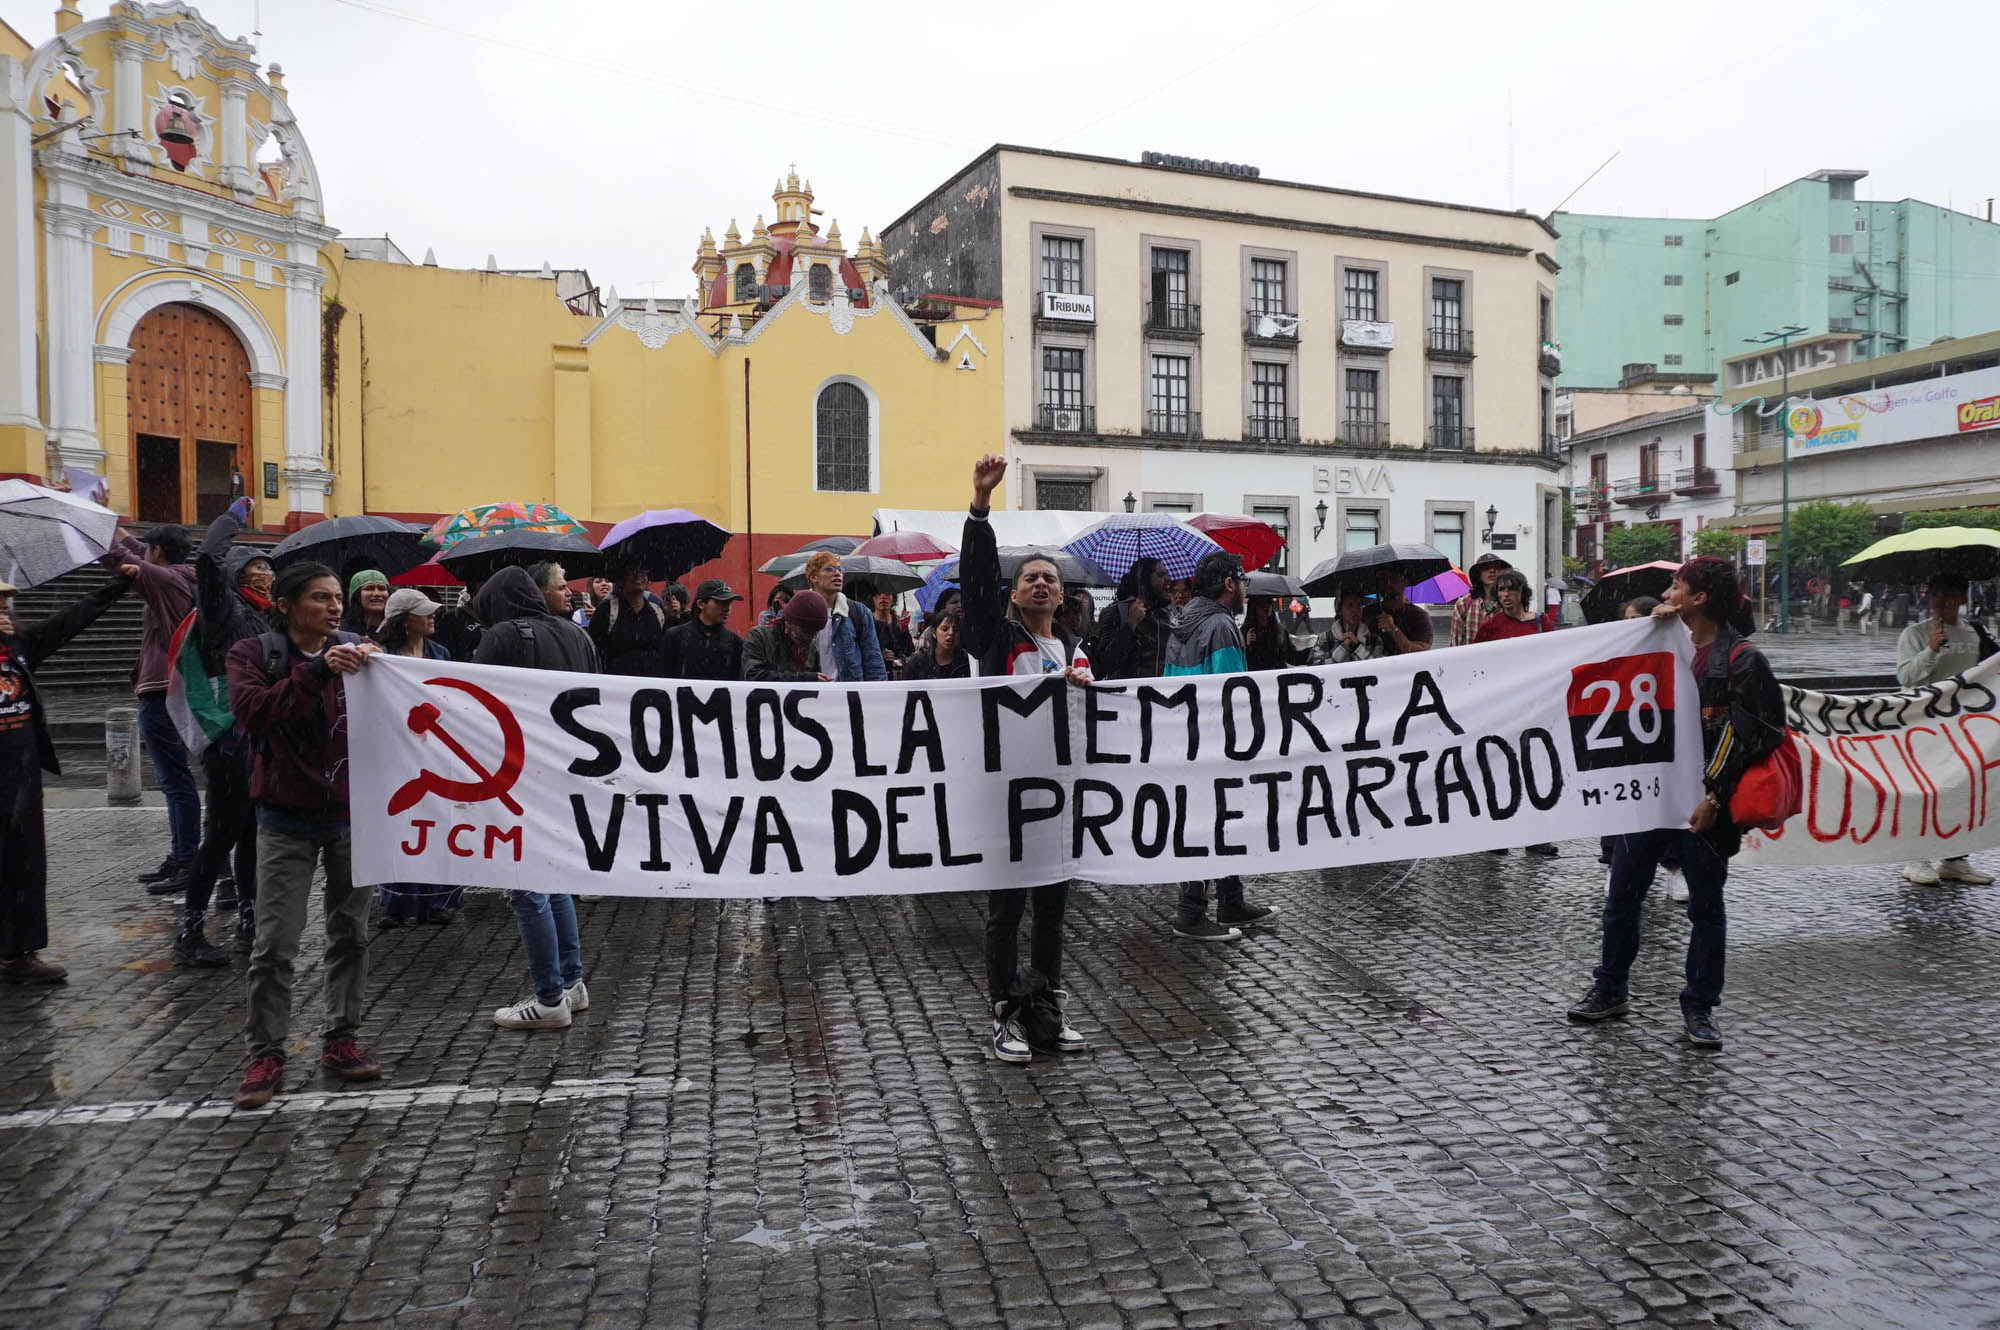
(667, 542)
(1271, 584)
(1606, 600)
(891, 575)
(833, 544)
(1075, 569)
(480, 557)
(1363, 566)
(361, 541)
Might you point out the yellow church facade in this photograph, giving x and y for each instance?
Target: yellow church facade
(177, 316)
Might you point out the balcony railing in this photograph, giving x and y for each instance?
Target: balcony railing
(1637, 490)
(1272, 429)
(1696, 480)
(1367, 335)
(1451, 438)
(1552, 358)
(1066, 419)
(1173, 317)
(1449, 341)
(1551, 446)
(1269, 325)
(1174, 424)
(1365, 433)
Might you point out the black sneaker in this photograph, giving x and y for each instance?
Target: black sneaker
(174, 883)
(1203, 930)
(193, 950)
(1700, 1031)
(1598, 1005)
(168, 867)
(225, 894)
(1545, 849)
(1245, 915)
(246, 924)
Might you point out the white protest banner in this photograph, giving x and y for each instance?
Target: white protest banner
(1891, 777)
(611, 785)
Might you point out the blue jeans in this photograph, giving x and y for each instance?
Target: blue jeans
(550, 937)
(1633, 860)
(170, 766)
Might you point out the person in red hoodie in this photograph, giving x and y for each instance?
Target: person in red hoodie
(285, 688)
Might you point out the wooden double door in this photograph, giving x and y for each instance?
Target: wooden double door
(189, 403)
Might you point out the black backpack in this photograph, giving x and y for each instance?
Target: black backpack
(277, 646)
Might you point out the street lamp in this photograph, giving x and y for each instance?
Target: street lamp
(1130, 502)
(1319, 511)
(1492, 520)
(1783, 337)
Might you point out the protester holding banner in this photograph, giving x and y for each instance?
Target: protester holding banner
(1404, 627)
(702, 646)
(1205, 640)
(1013, 632)
(1930, 650)
(232, 602)
(286, 690)
(1742, 721)
(26, 751)
(409, 628)
(1469, 611)
(522, 633)
(1514, 615)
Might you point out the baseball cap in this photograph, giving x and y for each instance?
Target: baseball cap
(715, 589)
(408, 600)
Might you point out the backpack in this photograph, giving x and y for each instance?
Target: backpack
(277, 646)
(1772, 789)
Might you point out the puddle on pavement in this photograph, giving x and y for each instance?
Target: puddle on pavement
(148, 967)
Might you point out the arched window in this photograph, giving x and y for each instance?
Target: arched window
(746, 283)
(822, 284)
(841, 443)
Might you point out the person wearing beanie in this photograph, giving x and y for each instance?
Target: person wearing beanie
(782, 652)
(232, 602)
(367, 599)
(1469, 611)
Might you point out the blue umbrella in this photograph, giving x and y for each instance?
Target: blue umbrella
(1119, 540)
(667, 541)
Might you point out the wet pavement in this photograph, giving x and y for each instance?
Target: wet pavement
(784, 1114)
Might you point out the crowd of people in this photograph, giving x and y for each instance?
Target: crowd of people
(285, 640)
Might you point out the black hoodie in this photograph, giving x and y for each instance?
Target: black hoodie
(521, 632)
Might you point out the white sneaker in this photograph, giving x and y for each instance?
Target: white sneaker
(1958, 870)
(576, 997)
(1923, 873)
(530, 1014)
(1010, 1041)
(1677, 887)
(1067, 1039)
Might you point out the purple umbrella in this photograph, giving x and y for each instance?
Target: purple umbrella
(1440, 590)
(667, 541)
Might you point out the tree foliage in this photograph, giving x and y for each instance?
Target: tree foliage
(1831, 532)
(1627, 545)
(1930, 518)
(1717, 542)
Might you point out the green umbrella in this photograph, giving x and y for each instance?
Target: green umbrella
(1916, 556)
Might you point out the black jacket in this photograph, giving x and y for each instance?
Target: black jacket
(923, 665)
(1742, 720)
(38, 641)
(521, 632)
(458, 631)
(1125, 652)
(768, 657)
(630, 641)
(693, 650)
(992, 636)
(223, 616)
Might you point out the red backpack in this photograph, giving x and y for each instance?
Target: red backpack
(1772, 790)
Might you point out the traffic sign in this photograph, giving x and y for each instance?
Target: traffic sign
(1753, 552)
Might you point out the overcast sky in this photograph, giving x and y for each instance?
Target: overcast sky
(605, 134)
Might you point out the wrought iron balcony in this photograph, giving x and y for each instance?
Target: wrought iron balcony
(1174, 424)
(1590, 500)
(1365, 433)
(1066, 419)
(1448, 341)
(1551, 446)
(1638, 490)
(1697, 480)
(1272, 429)
(1269, 325)
(1172, 317)
(1451, 438)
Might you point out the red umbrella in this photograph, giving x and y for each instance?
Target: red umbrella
(907, 546)
(1255, 541)
(427, 574)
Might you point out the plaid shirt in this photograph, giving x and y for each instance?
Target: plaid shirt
(1467, 613)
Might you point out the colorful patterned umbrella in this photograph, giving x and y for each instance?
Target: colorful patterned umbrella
(1118, 540)
(1253, 540)
(488, 519)
(1443, 589)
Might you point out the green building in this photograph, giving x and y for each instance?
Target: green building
(1681, 295)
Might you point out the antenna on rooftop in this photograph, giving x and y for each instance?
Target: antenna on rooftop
(1586, 180)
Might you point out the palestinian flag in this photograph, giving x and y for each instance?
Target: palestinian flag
(198, 703)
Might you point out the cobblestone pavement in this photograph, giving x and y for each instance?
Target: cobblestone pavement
(784, 1114)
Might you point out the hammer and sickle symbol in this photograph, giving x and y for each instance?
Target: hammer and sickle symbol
(494, 784)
